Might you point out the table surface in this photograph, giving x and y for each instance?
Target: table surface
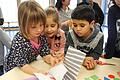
(100, 71)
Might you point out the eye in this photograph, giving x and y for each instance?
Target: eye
(41, 25)
(33, 27)
(46, 26)
(82, 25)
(52, 25)
(75, 25)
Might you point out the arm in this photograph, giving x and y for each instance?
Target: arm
(90, 60)
(62, 41)
(69, 42)
(5, 39)
(99, 14)
(20, 56)
(60, 53)
(45, 52)
(112, 34)
(96, 53)
(29, 69)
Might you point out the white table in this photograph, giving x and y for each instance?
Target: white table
(100, 71)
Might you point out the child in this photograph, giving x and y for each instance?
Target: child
(112, 48)
(56, 36)
(84, 36)
(30, 41)
(1, 17)
(4, 41)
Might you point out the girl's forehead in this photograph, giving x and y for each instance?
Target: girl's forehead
(35, 23)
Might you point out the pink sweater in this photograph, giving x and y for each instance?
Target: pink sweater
(57, 43)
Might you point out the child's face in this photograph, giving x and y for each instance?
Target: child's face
(82, 27)
(36, 30)
(51, 27)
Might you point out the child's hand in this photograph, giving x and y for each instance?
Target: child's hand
(51, 60)
(89, 63)
(59, 55)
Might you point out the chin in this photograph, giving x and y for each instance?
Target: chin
(79, 35)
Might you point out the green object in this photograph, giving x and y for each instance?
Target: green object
(116, 78)
(87, 79)
(94, 77)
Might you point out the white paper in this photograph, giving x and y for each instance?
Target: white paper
(41, 76)
(56, 72)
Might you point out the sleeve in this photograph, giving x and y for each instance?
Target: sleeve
(5, 39)
(112, 34)
(99, 13)
(96, 53)
(19, 54)
(69, 42)
(62, 42)
(45, 48)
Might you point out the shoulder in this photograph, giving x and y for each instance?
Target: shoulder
(2, 31)
(96, 4)
(18, 38)
(61, 32)
(70, 35)
(114, 8)
(97, 32)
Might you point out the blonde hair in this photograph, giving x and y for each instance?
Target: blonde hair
(30, 12)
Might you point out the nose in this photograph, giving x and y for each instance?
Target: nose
(79, 28)
(38, 29)
(49, 29)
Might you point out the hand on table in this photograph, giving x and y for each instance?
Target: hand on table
(89, 63)
(58, 55)
(51, 60)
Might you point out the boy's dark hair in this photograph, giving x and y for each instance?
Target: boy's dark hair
(83, 12)
(82, 3)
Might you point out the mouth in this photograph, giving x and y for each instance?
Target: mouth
(38, 33)
(49, 34)
(79, 33)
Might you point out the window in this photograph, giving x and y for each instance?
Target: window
(9, 10)
(44, 3)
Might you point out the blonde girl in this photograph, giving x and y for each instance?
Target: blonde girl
(29, 42)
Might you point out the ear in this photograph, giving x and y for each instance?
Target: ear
(92, 22)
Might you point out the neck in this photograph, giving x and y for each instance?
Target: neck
(35, 40)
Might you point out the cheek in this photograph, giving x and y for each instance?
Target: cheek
(42, 29)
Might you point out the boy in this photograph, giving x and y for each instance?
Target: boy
(84, 36)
